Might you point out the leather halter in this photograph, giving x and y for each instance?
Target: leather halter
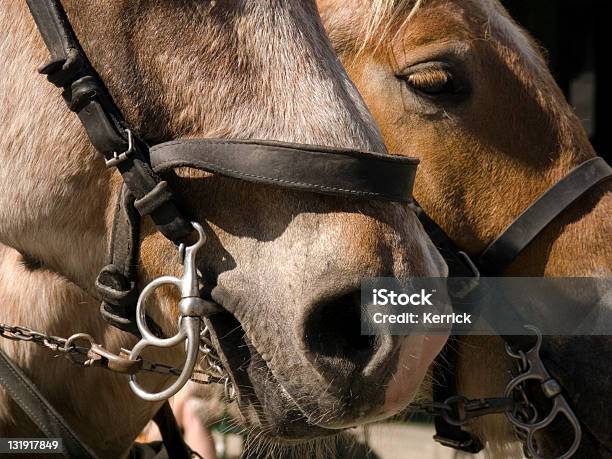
(493, 261)
(343, 172)
(346, 173)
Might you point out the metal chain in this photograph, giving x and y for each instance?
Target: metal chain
(19, 333)
(459, 410)
(95, 355)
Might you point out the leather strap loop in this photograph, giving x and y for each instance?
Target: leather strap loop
(115, 288)
(154, 199)
(62, 72)
(82, 91)
(121, 317)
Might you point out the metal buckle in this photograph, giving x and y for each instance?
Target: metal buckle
(118, 158)
(192, 310)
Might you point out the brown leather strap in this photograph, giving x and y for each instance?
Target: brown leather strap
(316, 169)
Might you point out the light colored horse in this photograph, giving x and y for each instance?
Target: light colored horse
(458, 84)
(202, 69)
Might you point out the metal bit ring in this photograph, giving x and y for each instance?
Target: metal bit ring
(190, 321)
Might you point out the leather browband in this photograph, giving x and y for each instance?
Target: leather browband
(316, 169)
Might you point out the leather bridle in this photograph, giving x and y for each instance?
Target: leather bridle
(342, 172)
(347, 173)
(493, 261)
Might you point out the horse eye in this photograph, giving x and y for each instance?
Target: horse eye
(434, 82)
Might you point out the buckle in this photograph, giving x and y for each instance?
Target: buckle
(118, 158)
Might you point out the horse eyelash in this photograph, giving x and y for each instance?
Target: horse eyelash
(429, 78)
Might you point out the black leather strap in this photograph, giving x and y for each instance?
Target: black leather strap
(501, 252)
(317, 169)
(445, 386)
(116, 282)
(171, 433)
(458, 265)
(19, 387)
(86, 95)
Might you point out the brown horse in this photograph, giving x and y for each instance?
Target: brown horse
(276, 258)
(458, 84)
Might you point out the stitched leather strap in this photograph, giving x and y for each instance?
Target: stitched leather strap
(316, 169)
(519, 234)
(39, 410)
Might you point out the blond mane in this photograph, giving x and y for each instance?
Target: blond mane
(379, 18)
(382, 14)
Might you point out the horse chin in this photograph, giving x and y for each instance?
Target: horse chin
(265, 406)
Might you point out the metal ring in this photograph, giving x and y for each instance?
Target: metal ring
(190, 329)
(530, 440)
(452, 416)
(141, 313)
(78, 336)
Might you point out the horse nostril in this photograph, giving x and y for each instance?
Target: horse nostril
(332, 333)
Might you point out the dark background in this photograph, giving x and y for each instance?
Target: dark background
(574, 34)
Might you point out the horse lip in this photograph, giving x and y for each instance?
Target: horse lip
(230, 340)
(217, 324)
(225, 345)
